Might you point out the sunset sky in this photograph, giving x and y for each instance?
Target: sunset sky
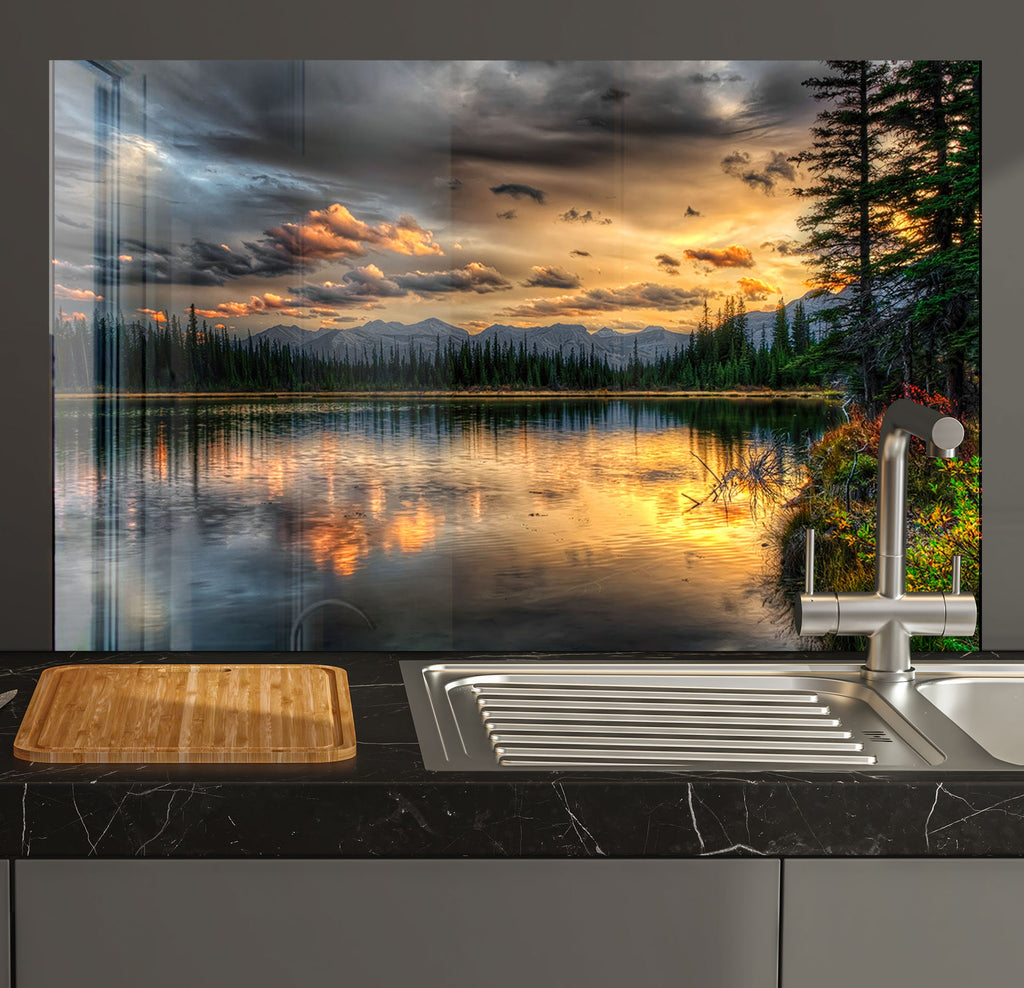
(616, 194)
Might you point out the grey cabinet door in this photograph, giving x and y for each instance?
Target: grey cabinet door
(936, 923)
(5, 924)
(397, 924)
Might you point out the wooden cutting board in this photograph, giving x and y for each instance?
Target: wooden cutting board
(188, 713)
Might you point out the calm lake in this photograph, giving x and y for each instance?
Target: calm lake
(462, 524)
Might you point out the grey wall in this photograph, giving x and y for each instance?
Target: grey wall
(36, 32)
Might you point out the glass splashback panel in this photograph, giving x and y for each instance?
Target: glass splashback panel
(498, 356)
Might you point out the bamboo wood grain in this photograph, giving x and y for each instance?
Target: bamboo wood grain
(188, 713)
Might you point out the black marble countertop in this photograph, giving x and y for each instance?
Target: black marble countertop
(384, 803)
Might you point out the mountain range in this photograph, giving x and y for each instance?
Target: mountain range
(612, 345)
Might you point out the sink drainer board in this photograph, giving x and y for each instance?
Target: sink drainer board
(587, 716)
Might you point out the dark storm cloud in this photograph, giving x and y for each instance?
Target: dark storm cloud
(667, 263)
(579, 253)
(200, 262)
(551, 277)
(517, 191)
(509, 214)
(568, 114)
(765, 176)
(573, 215)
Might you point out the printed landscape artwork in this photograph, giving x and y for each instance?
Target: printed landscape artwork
(499, 356)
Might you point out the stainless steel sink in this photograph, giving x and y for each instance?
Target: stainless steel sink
(520, 714)
(990, 710)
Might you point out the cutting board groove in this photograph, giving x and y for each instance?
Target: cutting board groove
(224, 712)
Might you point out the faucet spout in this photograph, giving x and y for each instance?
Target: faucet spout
(942, 434)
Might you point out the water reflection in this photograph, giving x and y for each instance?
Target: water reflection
(464, 524)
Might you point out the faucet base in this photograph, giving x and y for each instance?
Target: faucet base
(887, 676)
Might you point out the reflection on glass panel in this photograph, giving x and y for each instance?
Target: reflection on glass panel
(494, 356)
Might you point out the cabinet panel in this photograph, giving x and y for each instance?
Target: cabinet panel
(394, 924)
(5, 924)
(940, 923)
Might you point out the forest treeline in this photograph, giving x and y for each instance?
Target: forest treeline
(138, 356)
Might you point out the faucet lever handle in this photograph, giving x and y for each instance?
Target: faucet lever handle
(956, 573)
(809, 561)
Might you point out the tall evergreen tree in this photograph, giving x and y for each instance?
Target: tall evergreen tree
(781, 343)
(801, 329)
(848, 226)
(934, 111)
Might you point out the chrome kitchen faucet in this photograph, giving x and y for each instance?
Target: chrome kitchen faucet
(890, 615)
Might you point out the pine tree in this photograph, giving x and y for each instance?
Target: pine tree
(801, 329)
(849, 226)
(935, 187)
(781, 343)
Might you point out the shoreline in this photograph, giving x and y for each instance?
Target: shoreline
(448, 395)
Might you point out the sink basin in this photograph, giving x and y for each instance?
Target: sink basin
(990, 710)
(597, 714)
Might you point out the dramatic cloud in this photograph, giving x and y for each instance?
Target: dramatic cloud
(370, 284)
(364, 284)
(764, 177)
(643, 295)
(690, 211)
(331, 233)
(78, 294)
(474, 277)
(756, 289)
(573, 215)
(579, 253)
(257, 305)
(454, 184)
(323, 235)
(668, 264)
(518, 191)
(613, 95)
(509, 214)
(551, 277)
(726, 257)
(155, 314)
(199, 263)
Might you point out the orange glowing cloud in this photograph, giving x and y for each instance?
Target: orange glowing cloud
(755, 288)
(330, 233)
(78, 294)
(732, 256)
(155, 314)
(257, 305)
